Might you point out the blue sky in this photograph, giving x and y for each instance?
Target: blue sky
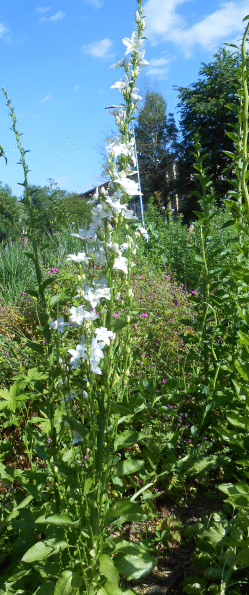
(55, 67)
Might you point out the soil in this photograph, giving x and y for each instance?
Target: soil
(174, 563)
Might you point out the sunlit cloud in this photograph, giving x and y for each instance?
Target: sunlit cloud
(45, 9)
(95, 3)
(58, 16)
(3, 30)
(166, 24)
(46, 98)
(98, 49)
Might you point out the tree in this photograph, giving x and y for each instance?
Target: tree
(54, 208)
(156, 138)
(203, 111)
(10, 214)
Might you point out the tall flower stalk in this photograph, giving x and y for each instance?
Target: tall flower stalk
(87, 423)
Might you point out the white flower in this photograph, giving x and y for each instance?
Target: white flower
(142, 62)
(122, 85)
(143, 232)
(131, 292)
(59, 324)
(102, 334)
(103, 292)
(119, 64)
(77, 354)
(95, 197)
(86, 234)
(133, 44)
(116, 205)
(94, 297)
(76, 437)
(121, 264)
(78, 315)
(129, 215)
(81, 257)
(130, 186)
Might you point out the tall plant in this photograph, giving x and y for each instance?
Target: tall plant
(84, 399)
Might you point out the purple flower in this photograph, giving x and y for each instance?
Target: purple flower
(6, 353)
(164, 381)
(140, 276)
(53, 270)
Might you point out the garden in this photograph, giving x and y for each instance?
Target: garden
(124, 399)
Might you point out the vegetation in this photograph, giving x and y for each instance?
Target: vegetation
(156, 136)
(127, 384)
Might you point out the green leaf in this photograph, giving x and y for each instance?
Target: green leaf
(80, 428)
(107, 568)
(46, 588)
(68, 583)
(43, 549)
(55, 299)
(128, 438)
(124, 507)
(134, 567)
(111, 589)
(239, 421)
(33, 293)
(243, 556)
(35, 347)
(128, 466)
(123, 410)
(58, 520)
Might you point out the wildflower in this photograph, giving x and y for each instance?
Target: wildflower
(78, 315)
(59, 324)
(133, 44)
(121, 264)
(53, 270)
(143, 232)
(81, 257)
(102, 334)
(6, 354)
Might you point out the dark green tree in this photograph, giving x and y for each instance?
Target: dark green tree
(156, 138)
(10, 215)
(204, 112)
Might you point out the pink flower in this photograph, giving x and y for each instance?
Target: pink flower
(140, 276)
(144, 315)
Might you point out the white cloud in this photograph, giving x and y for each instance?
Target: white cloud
(159, 61)
(95, 3)
(164, 24)
(98, 49)
(46, 98)
(45, 9)
(59, 15)
(158, 67)
(3, 30)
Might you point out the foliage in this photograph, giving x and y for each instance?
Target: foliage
(204, 110)
(10, 214)
(156, 136)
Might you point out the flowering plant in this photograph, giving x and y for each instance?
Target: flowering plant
(85, 401)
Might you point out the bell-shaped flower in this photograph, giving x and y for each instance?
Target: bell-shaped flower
(59, 324)
(129, 186)
(143, 232)
(121, 264)
(78, 315)
(102, 334)
(81, 257)
(133, 44)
